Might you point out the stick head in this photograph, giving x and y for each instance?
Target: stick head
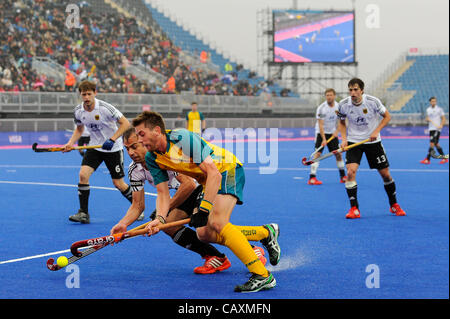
(306, 162)
(34, 147)
(51, 266)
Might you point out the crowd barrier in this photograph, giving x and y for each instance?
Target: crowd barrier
(26, 139)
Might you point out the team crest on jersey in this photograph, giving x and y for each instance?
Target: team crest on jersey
(365, 111)
(97, 117)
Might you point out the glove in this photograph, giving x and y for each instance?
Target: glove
(200, 219)
(108, 145)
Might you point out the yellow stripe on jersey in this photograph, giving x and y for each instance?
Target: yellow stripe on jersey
(185, 152)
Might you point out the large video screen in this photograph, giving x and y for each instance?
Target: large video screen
(313, 36)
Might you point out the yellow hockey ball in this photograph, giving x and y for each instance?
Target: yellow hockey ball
(62, 261)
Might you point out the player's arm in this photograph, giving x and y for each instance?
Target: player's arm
(442, 121)
(75, 136)
(322, 132)
(124, 124)
(342, 128)
(187, 186)
(136, 208)
(386, 119)
(213, 179)
(162, 208)
(212, 185)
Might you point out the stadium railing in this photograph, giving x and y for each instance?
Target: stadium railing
(64, 102)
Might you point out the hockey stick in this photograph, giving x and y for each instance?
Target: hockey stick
(116, 238)
(434, 155)
(59, 148)
(320, 148)
(53, 267)
(341, 150)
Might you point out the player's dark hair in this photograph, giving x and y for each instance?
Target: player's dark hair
(194, 103)
(432, 98)
(128, 133)
(354, 81)
(150, 120)
(87, 86)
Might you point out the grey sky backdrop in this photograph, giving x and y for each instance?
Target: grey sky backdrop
(403, 24)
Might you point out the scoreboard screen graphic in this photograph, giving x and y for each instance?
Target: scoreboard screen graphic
(313, 36)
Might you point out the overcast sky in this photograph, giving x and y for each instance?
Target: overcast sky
(380, 38)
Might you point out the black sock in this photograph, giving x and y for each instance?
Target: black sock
(128, 194)
(342, 172)
(440, 150)
(312, 176)
(352, 195)
(83, 196)
(429, 153)
(390, 191)
(187, 238)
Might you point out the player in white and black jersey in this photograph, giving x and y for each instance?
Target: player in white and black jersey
(105, 125)
(436, 120)
(186, 199)
(326, 127)
(361, 117)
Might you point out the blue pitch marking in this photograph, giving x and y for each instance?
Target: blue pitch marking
(323, 254)
(327, 47)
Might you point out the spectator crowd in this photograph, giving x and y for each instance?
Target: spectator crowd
(100, 49)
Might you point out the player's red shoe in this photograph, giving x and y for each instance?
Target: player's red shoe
(212, 265)
(314, 181)
(425, 161)
(444, 161)
(397, 210)
(353, 213)
(343, 179)
(260, 253)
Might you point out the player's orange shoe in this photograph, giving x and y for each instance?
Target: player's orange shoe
(314, 181)
(444, 161)
(425, 161)
(343, 179)
(397, 210)
(353, 213)
(212, 265)
(260, 253)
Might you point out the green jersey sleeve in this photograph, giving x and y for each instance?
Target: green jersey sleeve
(159, 175)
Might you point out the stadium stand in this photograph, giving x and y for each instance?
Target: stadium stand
(119, 45)
(417, 79)
(190, 43)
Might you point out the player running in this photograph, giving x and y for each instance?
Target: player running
(105, 125)
(436, 121)
(326, 127)
(222, 177)
(363, 113)
(182, 205)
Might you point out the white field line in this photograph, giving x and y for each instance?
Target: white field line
(64, 185)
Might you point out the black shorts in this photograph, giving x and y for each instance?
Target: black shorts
(332, 145)
(113, 161)
(375, 155)
(193, 201)
(84, 140)
(434, 137)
